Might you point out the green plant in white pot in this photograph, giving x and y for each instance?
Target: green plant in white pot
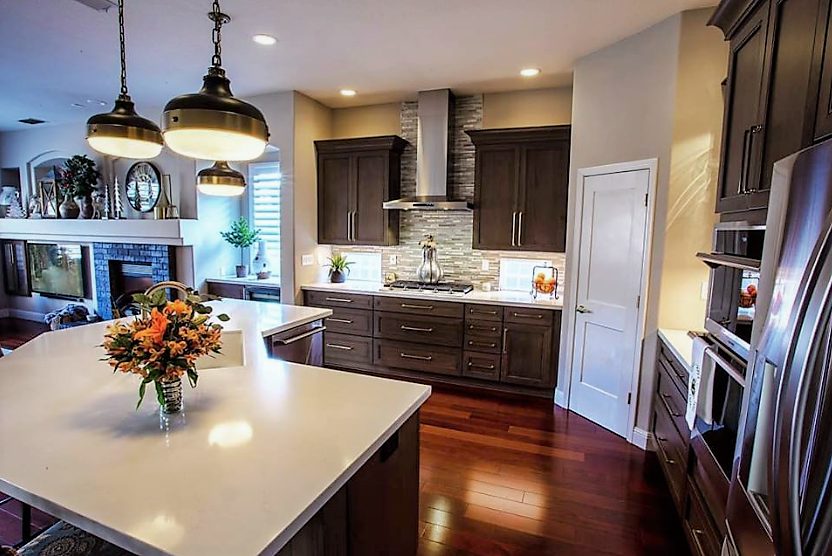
(242, 236)
(339, 267)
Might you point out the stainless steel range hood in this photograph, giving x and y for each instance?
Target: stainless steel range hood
(435, 121)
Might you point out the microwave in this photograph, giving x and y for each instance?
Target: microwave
(734, 279)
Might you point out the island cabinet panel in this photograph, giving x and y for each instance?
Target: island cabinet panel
(355, 176)
(430, 330)
(521, 179)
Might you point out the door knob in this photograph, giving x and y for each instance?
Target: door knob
(582, 309)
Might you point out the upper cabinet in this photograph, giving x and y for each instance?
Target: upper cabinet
(772, 94)
(355, 176)
(521, 188)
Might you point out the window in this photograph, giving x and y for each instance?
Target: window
(517, 274)
(264, 181)
(365, 266)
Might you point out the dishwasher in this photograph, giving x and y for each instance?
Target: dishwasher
(302, 344)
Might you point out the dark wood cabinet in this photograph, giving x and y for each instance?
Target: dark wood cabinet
(521, 188)
(823, 115)
(527, 355)
(355, 176)
(773, 92)
(16, 268)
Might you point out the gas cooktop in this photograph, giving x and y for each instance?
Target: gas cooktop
(441, 287)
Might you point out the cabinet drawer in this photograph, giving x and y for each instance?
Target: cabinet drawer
(672, 452)
(415, 357)
(230, 291)
(484, 366)
(522, 315)
(711, 482)
(676, 370)
(483, 328)
(350, 321)
(344, 350)
(483, 336)
(674, 403)
(703, 536)
(419, 306)
(427, 330)
(483, 312)
(337, 299)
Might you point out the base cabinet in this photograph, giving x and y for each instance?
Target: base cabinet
(527, 355)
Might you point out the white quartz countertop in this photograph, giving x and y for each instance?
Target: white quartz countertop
(517, 299)
(258, 450)
(251, 280)
(273, 318)
(680, 343)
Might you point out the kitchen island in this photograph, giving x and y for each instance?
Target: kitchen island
(268, 456)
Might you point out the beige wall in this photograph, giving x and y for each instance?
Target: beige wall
(527, 108)
(694, 162)
(366, 121)
(313, 121)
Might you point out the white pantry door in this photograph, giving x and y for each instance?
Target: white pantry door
(611, 245)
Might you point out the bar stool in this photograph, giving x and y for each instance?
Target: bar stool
(63, 539)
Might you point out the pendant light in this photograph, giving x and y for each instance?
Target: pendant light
(122, 132)
(212, 124)
(221, 180)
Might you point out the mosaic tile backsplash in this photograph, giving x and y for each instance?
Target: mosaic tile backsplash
(452, 230)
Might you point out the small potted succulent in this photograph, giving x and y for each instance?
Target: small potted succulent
(78, 180)
(339, 267)
(242, 236)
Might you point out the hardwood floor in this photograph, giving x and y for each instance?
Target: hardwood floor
(510, 476)
(16, 332)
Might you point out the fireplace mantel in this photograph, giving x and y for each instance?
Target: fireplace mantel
(180, 232)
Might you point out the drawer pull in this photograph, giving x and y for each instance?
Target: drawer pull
(339, 300)
(422, 307)
(484, 344)
(338, 346)
(505, 340)
(478, 366)
(299, 337)
(673, 412)
(486, 328)
(527, 316)
(415, 329)
(343, 321)
(417, 357)
(481, 312)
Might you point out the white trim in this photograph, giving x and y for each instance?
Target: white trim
(643, 439)
(560, 398)
(651, 165)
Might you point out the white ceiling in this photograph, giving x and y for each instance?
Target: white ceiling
(54, 53)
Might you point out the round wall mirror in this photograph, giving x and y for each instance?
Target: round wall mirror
(143, 186)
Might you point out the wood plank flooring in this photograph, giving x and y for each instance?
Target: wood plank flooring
(509, 476)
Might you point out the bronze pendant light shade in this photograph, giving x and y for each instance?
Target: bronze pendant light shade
(221, 180)
(212, 124)
(122, 132)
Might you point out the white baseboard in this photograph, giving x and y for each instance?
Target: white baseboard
(643, 439)
(26, 315)
(560, 398)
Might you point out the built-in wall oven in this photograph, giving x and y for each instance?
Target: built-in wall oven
(735, 276)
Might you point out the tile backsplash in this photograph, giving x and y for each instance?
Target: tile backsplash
(452, 230)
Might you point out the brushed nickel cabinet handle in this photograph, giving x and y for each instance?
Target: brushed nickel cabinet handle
(526, 316)
(293, 339)
(673, 412)
(505, 340)
(343, 321)
(486, 328)
(338, 346)
(754, 130)
(417, 357)
(472, 311)
(415, 329)
(411, 306)
(472, 365)
(485, 344)
(514, 229)
(741, 182)
(338, 300)
(520, 229)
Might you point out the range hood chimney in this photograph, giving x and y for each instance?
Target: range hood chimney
(435, 122)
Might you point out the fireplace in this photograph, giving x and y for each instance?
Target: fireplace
(122, 269)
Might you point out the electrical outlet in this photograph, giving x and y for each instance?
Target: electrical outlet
(307, 260)
(486, 265)
(703, 291)
(393, 259)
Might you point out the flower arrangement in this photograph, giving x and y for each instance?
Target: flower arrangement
(79, 176)
(163, 343)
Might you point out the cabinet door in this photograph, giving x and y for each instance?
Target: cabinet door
(369, 222)
(335, 196)
(823, 118)
(746, 68)
(788, 122)
(542, 196)
(497, 174)
(527, 355)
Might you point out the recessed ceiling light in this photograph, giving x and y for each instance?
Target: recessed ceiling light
(348, 92)
(32, 121)
(265, 40)
(529, 72)
(77, 105)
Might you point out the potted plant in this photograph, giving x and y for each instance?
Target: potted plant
(339, 267)
(241, 235)
(78, 181)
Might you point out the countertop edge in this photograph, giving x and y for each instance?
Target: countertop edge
(247, 281)
(665, 336)
(303, 518)
(321, 314)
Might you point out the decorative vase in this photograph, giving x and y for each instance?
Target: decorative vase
(429, 270)
(337, 277)
(86, 208)
(242, 271)
(69, 208)
(171, 395)
(260, 264)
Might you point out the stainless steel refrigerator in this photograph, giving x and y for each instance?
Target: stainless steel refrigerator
(780, 500)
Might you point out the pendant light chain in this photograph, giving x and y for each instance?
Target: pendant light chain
(121, 45)
(216, 35)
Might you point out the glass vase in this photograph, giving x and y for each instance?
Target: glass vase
(171, 396)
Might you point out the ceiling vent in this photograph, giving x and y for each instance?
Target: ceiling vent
(32, 121)
(98, 5)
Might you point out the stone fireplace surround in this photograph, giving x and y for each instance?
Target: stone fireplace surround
(160, 258)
